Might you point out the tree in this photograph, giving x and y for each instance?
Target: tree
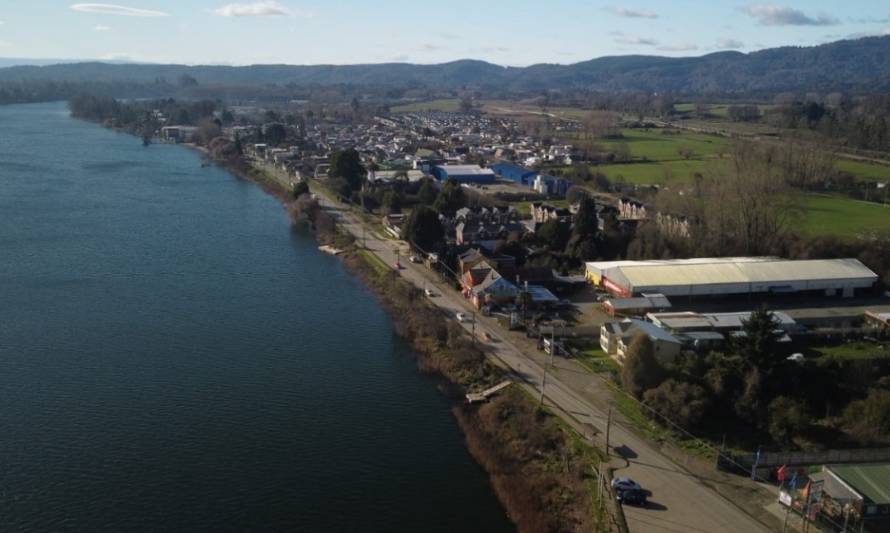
(392, 203)
(788, 418)
(683, 403)
(759, 341)
(300, 188)
(423, 229)
(207, 131)
(576, 194)
(274, 133)
(427, 193)
(554, 234)
(869, 419)
(466, 103)
(347, 164)
(587, 223)
(641, 370)
(187, 81)
(451, 197)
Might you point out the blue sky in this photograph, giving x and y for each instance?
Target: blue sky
(517, 32)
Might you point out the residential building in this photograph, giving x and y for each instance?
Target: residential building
(616, 338)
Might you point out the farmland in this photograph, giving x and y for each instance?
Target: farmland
(842, 217)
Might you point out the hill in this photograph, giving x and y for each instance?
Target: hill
(861, 65)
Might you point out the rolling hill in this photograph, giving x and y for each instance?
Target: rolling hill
(861, 65)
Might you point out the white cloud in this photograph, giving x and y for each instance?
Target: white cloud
(110, 9)
(400, 58)
(256, 9)
(678, 47)
(101, 27)
(729, 44)
(631, 13)
(773, 15)
(637, 41)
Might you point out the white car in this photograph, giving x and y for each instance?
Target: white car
(414, 259)
(428, 292)
(463, 317)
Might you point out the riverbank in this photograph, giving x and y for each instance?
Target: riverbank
(540, 471)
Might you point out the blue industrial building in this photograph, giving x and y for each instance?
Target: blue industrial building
(464, 173)
(515, 173)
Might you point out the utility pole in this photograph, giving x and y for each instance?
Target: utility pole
(608, 429)
(543, 386)
(474, 327)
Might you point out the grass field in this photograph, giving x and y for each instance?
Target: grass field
(854, 350)
(842, 217)
(450, 105)
(865, 170)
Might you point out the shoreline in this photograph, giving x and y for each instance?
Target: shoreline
(509, 437)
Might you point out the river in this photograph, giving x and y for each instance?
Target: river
(174, 356)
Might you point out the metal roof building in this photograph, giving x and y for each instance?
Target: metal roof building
(712, 277)
(464, 173)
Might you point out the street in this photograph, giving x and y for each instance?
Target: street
(679, 502)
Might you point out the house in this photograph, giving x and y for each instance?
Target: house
(542, 213)
(179, 134)
(616, 338)
(392, 224)
(864, 487)
(630, 209)
(551, 185)
(878, 321)
(493, 289)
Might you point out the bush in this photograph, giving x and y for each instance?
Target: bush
(869, 419)
(683, 403)
(788, 418)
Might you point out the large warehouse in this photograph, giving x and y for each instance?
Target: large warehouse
(464, 173)
(725, 276)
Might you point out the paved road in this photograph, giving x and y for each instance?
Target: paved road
(680, 502)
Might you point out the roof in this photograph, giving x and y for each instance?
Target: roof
(643, 302)
(743, 272)
(466, 170)
(540, 294)
(870, 480)
(600, 266)
(633, 327)
(691, 321)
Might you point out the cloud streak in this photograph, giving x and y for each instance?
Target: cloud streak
(678, 48)
(111, 9)
(729, 44)
(774, 15)
(631, 13)
(636, 41)
(101, 27)
(256, 9)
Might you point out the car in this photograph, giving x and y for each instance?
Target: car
(632, 497)
(414, 259)
(429, 293)
(398, 265)
(463, 317)
(625, 483)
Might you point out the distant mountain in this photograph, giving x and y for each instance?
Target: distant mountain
(861, 65)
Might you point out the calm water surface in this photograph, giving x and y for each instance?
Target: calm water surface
(174, 357)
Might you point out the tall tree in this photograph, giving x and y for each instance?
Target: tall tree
(450, 198)
(347, 164)
(423, 229)
(641, 370)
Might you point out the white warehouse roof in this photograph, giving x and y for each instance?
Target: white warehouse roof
(466, 170)
(739, 277)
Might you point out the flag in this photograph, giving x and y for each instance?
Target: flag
(793, 481)
(780, 474)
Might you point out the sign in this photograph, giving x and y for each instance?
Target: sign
(785, 498)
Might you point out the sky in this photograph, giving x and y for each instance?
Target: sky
(516, 32)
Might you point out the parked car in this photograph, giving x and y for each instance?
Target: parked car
(625, 483)
(632, 497)
(414, 259)
(398, 265)
(463, 317)
(429, 293)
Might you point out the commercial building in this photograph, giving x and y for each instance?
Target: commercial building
(865, 487)
(732, 276)
(637, 306)
(514, 173)
(464, 173)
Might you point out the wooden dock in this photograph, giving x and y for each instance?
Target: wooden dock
(475, 397)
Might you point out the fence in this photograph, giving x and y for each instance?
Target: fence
(776, 459)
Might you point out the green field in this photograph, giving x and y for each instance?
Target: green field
(450, 105)
(854, 350)
(662, 173)
(842, 217)
(865, 170)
